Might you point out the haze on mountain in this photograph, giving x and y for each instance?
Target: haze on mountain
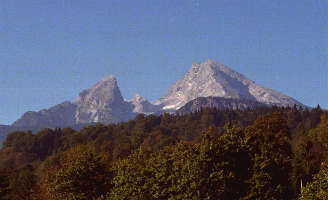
(104, 103)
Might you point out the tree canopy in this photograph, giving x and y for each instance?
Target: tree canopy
(262, 153)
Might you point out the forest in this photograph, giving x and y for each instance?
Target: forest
(263, 153)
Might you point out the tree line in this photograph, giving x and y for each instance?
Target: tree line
(262, 153)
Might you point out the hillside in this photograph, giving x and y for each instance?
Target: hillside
(128, 159)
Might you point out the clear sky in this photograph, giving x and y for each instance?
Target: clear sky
(51, 50)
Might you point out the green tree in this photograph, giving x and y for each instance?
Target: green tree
(131, 177)
(4, 185)
(318, 188)
(214, 169)
(269, 142)
(320, 133)
(82, 174)
(19, 183)
(306, 162)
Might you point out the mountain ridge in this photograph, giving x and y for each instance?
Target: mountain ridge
(214, 79)
(104, 103)
(219, 103)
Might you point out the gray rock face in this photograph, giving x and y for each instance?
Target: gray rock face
(214, 79)
(61, 115)
(220, 103)
(141, 105)
(102, 103)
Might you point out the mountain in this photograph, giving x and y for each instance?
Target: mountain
(103, 103)
(141, 105)
(61, 115)
(4, 130)
(219, 103)
(214, 79)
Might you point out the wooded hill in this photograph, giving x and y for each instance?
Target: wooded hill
(262, 153)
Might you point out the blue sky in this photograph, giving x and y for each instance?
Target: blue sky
(51, 50)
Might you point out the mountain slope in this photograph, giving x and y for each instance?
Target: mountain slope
(4, 130)
(220, 103)
(102, 103)
(214, 79)
(141, 105)
(61, 115)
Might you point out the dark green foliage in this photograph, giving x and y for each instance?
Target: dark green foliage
(226, 167)
(82, 173)
(4, 185)
(318, 189)
(307, 160)
(20, 141)
(210, 154)
(269, 142)
(17, 184)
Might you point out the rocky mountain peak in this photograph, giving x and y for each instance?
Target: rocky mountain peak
(211, 78)
(100, 102)
(105, 92)
(138, 98)
(207, 84)
(215, 70)
(108, 78)
(141, 105)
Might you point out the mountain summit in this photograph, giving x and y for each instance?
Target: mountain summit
(212, 79)
(218, 85)
(102, 103)
(141, 105)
